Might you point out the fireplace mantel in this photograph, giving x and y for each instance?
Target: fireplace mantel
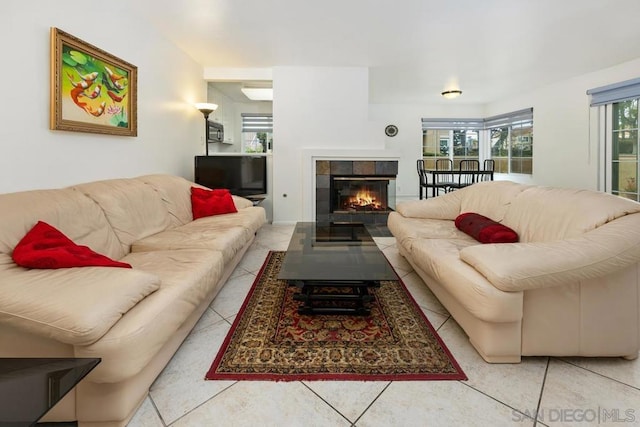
(313, 154)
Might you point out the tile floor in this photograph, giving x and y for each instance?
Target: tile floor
(565, 391)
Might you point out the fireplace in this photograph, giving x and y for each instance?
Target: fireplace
(360, 191)
(359, 194)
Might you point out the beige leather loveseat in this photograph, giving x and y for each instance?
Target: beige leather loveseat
(134, 319)
(569, 287)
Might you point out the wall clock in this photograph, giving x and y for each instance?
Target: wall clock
(391, 130)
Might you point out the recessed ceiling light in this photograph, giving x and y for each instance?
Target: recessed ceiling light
(450, 94)
(258, 93)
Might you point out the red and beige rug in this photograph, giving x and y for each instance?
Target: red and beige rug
(269, 340)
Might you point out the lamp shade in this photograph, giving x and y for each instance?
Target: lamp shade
(206, 108)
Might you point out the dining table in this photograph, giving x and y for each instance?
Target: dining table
(458, 179)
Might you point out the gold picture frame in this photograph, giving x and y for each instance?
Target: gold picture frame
(91, 90)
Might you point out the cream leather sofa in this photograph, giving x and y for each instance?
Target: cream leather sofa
(569, 287)
(134, 319)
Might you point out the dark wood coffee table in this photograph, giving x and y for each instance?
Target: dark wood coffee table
(334, 265)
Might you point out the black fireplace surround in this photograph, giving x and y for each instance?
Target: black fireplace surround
(361, 191)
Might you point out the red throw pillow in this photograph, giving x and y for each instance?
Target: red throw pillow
(485, 230)
(46, 247)
(211, 202)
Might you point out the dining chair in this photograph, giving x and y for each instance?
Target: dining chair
(444, 181)
(438, 182)
(467, 178)
(489, 165)
(422, 178)
(487, 169)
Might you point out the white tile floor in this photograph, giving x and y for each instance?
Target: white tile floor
(565, 391)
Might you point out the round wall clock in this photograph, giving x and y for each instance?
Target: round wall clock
(391, 130)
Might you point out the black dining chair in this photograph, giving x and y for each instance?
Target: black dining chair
(443, 181)
(422, 178)
(487, 170)
(466, 177)
(438, 182)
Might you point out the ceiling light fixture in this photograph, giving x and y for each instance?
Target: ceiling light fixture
(450, 94)
(258, 93)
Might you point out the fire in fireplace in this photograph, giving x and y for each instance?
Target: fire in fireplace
(359, 194)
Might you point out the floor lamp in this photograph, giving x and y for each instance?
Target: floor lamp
(206, 109)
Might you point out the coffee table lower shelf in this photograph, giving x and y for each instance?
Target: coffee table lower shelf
(315, 298)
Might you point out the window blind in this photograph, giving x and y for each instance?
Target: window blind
(518, 118)
(257, 122)
(616, 92)
(458, 124)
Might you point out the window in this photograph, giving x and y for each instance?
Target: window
(507, 138)
(435, 145)
(624, 147)
(449, 144)
(466, 144)
(616, 107)
(257, 132)
(511, 142)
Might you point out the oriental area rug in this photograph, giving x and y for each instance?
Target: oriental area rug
(270, 341)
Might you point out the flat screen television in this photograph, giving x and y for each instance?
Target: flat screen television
(242, 175)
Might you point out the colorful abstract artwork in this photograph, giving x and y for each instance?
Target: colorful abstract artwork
(91, 90)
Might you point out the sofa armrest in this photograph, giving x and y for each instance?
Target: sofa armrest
(446, 206)
(75, 306)
(241, 202)
(521, 266)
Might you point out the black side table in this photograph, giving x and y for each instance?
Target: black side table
(30, 387)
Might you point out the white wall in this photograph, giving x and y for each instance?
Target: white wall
(170, 129)
(564, 150)
(315, 107)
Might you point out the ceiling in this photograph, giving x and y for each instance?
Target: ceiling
(414, 49)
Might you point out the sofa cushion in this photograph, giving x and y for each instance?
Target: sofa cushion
(71, 212)
(523, 266)
(74, 305)
(492, 199)
(227, 233)
(175, 193)
(485, 230)
(211, 202)
(188, 277)
(446, 206)
(541, 214)
(407, 230)
(133, 208)
(46, 247)
(227, 240)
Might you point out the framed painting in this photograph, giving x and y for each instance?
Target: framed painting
(91, 90)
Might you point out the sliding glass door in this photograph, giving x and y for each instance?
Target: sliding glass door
(622, 149)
